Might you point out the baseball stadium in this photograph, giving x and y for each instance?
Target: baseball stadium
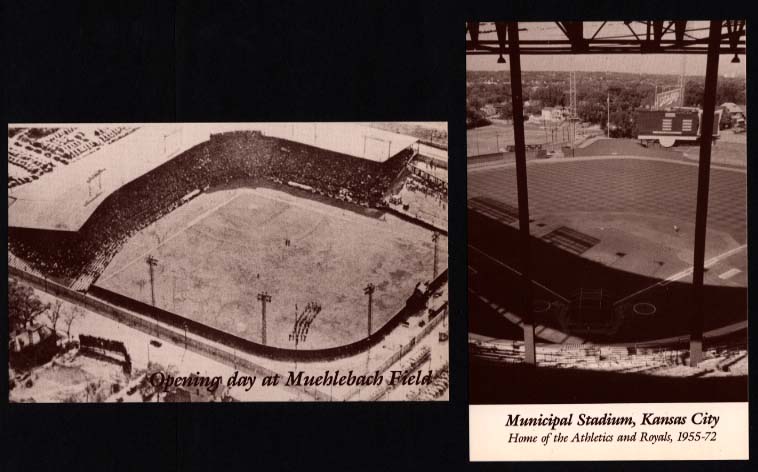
(274, 238)
(604, 268)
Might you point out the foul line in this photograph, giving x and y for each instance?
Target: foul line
(684, 273)
(192, 223)
(497, 261)
(494, 165)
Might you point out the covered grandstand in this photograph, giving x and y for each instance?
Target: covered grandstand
(69, 223)
(65, 198)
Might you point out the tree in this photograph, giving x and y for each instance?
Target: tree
(70, 316)
(507, 111)
(550, 96)
(54, 314)
(475, 118)
(23, 305)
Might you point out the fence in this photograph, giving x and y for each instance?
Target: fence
(106, 308)
(420, 359)
(404, 349)
(153, 328)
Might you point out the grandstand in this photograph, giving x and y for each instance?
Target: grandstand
(722, 358)
(145, 176)
(65, 198)
(607, 373)
(149, 191)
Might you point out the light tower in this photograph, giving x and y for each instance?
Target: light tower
(573, 109)
(682, 83)
(264, 298)
(369, 290)
(151, 262)
(435, 238)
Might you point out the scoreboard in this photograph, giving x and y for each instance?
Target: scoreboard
(669, 126)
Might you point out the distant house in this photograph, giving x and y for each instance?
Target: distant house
(24, 339)
(533, 103)
(500, 107)
(33, 346)
(489, 110)
(554, 113)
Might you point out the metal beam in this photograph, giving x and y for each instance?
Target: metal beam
(473, 30)
(703, 181)
(523, 197)
(679, 29)
(606, 50)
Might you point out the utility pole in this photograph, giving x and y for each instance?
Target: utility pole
(655, 98)
(369, 290)
(608, 116)
(682, 79)
(435, 237)
(151, 262)
(264, 298)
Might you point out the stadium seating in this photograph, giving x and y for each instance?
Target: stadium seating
(78, 258)
(720, 358)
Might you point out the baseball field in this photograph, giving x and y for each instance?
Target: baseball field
(217, 253)
(623, 225)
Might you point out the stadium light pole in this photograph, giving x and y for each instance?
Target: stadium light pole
(522, 190)
(369, 290)
(264, 298)
(435, 238)
(151, 263)
(703, 181)
(608, 116)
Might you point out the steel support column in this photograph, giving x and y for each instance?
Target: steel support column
(523, 197)
(704, 172)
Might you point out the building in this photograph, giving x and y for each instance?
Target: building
(489, 110)
(554, 113)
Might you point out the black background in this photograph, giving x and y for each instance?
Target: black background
(152, 61)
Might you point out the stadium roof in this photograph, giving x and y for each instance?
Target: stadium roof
(65, 198)
(603, 37)
(352, 139)
(432, 152)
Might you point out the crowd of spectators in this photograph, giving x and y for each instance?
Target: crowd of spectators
(226, 158)
(423, 197)
(339, 176)
(39, 150)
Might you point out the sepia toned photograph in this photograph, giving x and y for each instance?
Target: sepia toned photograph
(228, 262)
(607, 212)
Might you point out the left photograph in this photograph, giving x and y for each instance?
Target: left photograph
(239, 262)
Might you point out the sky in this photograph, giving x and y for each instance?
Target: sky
(652, 63)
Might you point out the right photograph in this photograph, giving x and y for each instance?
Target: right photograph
(607, 212)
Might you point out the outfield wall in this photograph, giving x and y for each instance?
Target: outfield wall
(105, 301)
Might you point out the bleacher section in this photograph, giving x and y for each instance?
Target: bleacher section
(421, 193)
